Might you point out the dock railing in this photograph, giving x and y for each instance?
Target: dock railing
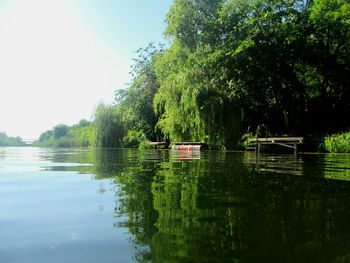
(289, 142)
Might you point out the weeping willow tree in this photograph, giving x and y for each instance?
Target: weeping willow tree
(176, 100)
(191, 102)
(108, 127)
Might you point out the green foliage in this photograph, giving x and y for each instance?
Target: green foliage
(45, 136)
(330, 42)
(176, 100)
(108, 128)
(236, 64)
(10, 141)
(78, 135)
(135, 103)
(145, 146)
(338, 143)
(60, 131)
(81, 135)
(245, 140)
(133, 139)
(232, 65)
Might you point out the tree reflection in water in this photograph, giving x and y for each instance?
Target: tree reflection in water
(224, 208)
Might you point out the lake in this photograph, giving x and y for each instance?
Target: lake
(113, 205)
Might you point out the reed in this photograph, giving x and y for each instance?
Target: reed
(338, 143)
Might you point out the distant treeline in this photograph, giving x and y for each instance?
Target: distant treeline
(79, 135)
(10, 141)
(106, 130)
(230, 67)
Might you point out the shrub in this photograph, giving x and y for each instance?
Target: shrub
(133, 139)
(338, 143)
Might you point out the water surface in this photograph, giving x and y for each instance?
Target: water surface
(64, 205)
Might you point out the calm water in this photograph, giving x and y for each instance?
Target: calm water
(163, 206)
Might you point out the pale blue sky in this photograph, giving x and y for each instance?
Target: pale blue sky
(125, 25)
(59, 58)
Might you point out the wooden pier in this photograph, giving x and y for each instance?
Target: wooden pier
(289, 142)
(159, 145)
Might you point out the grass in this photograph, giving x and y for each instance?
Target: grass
(338, 143)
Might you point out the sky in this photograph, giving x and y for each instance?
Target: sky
(60, 58)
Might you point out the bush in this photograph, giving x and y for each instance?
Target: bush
(244, 142)
(338, 143)
(133, 139)
(144, 145)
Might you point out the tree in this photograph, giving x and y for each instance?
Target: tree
(84, 123)
(190, 100)
(60, 130)
(330, 58)
(108, 127)
(136, 102)
(45, 136)
(234, 65)
(10, 141)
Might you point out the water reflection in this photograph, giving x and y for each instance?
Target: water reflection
(330, 166)
(185, 154)
(337, 166)
(227, 207)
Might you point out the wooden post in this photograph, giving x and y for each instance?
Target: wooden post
(258, 148)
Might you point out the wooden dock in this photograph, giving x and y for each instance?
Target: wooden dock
(289, 142)
(159, 145)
